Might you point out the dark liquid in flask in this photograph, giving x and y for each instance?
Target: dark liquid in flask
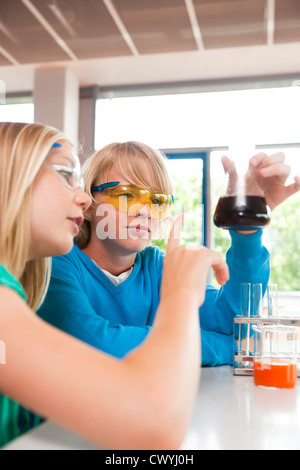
(242, 213)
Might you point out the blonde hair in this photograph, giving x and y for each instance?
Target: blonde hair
(23, 149)
(136, 162)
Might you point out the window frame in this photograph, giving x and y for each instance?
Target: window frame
(204, 155)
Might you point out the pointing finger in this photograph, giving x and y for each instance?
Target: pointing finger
(221, 270)
(174, 236)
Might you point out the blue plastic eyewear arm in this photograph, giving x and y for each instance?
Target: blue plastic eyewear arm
(101, 187)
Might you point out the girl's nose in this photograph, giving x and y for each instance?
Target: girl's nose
(83, 199)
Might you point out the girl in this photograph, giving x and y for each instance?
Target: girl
(116, 404)
(106, 291)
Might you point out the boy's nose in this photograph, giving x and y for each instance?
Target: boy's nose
(145, 211)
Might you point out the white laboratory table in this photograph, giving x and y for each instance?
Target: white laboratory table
(230, 413)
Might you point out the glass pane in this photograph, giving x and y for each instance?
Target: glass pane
(220, 241)
(198, 120)
(17, 112)
(282, 237)
(187, 179)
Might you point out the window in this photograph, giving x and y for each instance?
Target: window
(282, 236)
(17, 112)
(187, 171)
(200, 120)
(188, 174)
(207, 121)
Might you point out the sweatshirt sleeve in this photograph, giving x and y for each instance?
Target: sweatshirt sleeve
(68, 308)
(217, 349)
(248, 261)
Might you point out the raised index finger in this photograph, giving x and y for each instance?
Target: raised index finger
(174, 235)
(228, 165)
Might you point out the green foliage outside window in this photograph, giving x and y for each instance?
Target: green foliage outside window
(282, 240)
(188, 200)
(285, 249)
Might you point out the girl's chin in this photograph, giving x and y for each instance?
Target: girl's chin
(62, 248)
(46, 247)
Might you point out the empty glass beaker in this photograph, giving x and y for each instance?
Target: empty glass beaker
(275, 356)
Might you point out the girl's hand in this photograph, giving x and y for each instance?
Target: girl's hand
(188, 269)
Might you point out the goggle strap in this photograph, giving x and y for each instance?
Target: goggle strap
(101, 187)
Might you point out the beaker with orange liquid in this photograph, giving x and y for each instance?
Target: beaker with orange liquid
(275, 356)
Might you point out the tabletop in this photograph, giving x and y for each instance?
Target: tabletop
(230, 413)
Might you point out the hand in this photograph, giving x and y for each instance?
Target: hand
(269, 173)
(273, 173)
(250, 184)
(187, 269)
(245, 183)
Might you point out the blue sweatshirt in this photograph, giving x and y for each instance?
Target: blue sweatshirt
(83, 302)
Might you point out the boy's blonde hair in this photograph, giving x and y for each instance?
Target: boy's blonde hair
(136, 162)
(23, 149)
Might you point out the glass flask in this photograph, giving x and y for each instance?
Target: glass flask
(242, 204)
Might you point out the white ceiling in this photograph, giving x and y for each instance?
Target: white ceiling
(134, 42)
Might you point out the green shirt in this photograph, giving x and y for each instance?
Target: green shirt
(14, 419)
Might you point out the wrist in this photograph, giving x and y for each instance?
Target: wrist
(246, 232)
(186, 295)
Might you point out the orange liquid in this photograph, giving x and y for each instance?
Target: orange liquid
(279, 375)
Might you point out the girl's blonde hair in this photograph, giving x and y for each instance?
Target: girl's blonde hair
(23, 149)
(136, 162)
